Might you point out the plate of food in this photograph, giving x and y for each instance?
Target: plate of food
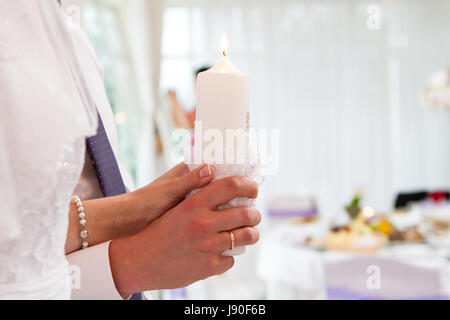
(356, 237)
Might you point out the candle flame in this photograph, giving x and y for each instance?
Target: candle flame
(224, 45)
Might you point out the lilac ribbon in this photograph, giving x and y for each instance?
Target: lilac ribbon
(339, 293)
(176, 294)
(288, 213)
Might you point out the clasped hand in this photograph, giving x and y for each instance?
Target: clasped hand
(183, 239)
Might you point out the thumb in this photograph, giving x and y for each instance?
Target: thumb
(194, 179)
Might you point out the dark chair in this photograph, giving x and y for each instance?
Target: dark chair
(403, 199)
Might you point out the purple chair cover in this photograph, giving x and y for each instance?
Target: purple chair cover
(288, 213)
(335, 293)
(348, 280)
(176, 294)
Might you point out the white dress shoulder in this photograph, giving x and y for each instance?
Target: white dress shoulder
(46, 112)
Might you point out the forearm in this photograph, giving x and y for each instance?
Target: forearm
(106, 219)
(137, 262)
(112, 218)
(123, 266)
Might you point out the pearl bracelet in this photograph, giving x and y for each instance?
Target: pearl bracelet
(82, 215)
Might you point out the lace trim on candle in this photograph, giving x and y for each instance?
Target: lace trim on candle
(249, 168)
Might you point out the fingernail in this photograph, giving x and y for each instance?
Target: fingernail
(205, 172)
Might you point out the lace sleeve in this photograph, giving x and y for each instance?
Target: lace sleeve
(9, 226)
(45, 104)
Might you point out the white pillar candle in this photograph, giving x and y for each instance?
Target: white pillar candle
(223, 94)
(223, 97)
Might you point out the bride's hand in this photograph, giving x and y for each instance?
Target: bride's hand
(167, 191)
(127, 214)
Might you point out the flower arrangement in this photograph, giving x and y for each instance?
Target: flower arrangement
(354, 207)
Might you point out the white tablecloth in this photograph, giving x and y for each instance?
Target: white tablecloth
(297, 272)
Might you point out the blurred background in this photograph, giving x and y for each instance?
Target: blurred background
(360, 91)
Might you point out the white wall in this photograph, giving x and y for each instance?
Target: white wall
(344, 96)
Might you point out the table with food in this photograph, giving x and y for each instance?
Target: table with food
(304, 256)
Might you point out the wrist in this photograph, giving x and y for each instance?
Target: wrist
(136, 212)
(143, 205)
(134, 264)
(121, 265)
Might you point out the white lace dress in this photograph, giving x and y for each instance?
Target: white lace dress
(46, 112)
